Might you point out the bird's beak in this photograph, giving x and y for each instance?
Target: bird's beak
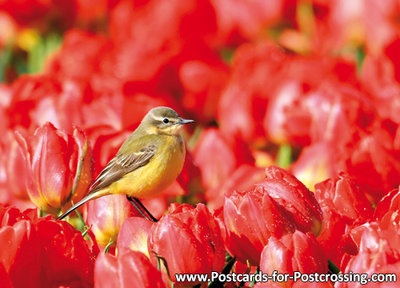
(185, 121)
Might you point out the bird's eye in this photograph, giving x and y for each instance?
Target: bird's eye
(165, 120)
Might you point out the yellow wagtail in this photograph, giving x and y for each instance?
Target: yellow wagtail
(147, 162)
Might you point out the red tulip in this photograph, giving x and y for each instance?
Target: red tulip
(275, 207)
(66, 257)
(22, 256)
(196, 237)
(60, 167)
(293, 252)
(106, 215)
(251, 218)
(377, 253)
(43, 251)
(344, 206)
(343, 196)
(296, 199)
(134, 235)
(127, 269)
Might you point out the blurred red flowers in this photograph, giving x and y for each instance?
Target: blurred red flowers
(309, 86)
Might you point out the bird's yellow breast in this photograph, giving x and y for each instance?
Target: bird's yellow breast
(162, 169)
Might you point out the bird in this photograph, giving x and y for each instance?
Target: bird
(149, 160)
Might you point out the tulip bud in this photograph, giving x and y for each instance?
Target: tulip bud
(105, 216)
(60, 167)
(277, 206)
(344, 206)
(293, 252)
(251, 218)
(190, 241)
(342, 195)
(297, 200)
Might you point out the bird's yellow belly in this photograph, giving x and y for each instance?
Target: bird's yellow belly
(151, 179)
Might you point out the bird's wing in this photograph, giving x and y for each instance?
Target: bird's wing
(121, 165)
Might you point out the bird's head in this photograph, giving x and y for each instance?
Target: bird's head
(163, 120)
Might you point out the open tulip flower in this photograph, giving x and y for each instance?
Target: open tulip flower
(292, 164)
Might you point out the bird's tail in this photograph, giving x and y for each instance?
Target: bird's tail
(83, 201)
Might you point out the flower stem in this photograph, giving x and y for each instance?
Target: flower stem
(333, 268)
(225, 271)
(284, 157)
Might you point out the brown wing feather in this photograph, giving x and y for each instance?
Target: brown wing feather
(121, 165)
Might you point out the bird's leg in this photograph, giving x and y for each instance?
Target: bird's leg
(142, 210)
